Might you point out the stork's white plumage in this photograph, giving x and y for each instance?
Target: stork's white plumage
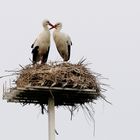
(41, 45)
(63, 42)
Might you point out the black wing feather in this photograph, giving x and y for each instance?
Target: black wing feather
(45, 56)
(33, 44)
(35, 54)
(69, 50)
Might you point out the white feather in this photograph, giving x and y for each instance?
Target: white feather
(62, 42)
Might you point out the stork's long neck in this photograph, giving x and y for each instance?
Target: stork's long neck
(46, 28)
(56, 33)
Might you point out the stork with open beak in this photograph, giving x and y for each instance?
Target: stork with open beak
(63, 41)
(41, 46)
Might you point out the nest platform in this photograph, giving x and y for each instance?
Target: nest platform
(40, 95)
(69, 84)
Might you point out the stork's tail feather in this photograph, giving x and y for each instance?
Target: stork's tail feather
(45, 56)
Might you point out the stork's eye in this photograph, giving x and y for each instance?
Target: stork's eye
(47, 22)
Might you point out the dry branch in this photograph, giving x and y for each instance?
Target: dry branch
(71, 85)
(58, 75)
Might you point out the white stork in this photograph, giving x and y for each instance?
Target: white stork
(62, 41)
(41, 45)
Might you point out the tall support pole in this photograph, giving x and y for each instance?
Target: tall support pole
(51, 118)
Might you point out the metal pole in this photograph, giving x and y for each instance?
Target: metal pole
(51, 118)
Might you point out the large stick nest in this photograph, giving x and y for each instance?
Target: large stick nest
(58, 75)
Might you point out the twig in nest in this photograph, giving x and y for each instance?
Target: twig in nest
(7, 75)
(16, 71)
(43, 108)
(103, 97)
(30, 60)
(72, 109)
(21, 66)
(65, 84)
(53, 84)
(81, 60)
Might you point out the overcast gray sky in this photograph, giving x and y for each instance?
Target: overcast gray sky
(107, 33)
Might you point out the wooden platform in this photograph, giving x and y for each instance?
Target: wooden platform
(40, 95)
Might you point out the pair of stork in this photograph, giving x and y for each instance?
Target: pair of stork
(41, 46)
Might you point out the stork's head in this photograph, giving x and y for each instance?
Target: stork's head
(58, 26)
(46, 22)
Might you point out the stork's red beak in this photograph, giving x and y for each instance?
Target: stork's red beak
(54, 26)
